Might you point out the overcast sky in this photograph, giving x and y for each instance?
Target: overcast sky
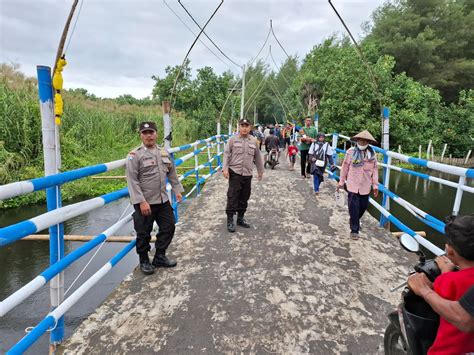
(119, 44)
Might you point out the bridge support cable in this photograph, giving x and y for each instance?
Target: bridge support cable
(261, 48)
(278, 94)
(254, 99)
(255, 93)
(194, 33)
(209, 38)
(172, 98)
(281, 104)
(276, 38)
(287, 82)
(363, 57)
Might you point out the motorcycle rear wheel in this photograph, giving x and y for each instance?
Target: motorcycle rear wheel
(394, 342)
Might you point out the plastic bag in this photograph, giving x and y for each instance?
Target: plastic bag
(340, 199)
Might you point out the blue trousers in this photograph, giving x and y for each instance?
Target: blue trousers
(316, 182)
(357, 206)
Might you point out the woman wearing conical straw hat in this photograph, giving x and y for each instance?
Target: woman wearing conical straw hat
(359, 174)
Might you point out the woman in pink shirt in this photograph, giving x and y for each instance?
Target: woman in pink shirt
(359, 173)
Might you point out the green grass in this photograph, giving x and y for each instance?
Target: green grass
(93, 131)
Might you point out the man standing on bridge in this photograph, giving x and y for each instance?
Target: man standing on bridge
(307, 139)
(240, 154)
(147, 167)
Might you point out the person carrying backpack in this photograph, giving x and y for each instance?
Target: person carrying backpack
(320, 153)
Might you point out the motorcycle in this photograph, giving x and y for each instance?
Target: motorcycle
(414, 324)
(272, 159)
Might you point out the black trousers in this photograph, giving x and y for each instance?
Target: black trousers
(163, 215)
(357, 206)
(238, 193)
(305, 166)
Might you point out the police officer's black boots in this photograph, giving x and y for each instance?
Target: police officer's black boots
(161, 260)
(145, 265)
(230, 223)
(242, 222)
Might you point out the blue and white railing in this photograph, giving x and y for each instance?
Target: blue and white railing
(431, 221)
(213, 146)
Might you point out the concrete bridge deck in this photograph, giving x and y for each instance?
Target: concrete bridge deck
(294, 283)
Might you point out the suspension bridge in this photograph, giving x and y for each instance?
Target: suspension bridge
(294, 282)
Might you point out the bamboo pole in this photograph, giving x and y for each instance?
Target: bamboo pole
(467, 157)
(399, 234)
(84, 238)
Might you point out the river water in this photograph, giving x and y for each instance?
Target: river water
(20, 262)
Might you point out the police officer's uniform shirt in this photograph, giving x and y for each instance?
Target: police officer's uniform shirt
(147, 170)
(241, 153)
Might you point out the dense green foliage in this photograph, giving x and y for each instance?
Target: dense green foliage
(332, 81)
(431, 40)
(93, 131)
(421, 54)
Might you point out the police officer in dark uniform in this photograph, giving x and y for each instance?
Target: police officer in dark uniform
(240, 154)
(147, 168)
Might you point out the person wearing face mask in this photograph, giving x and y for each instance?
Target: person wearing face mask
(320, 153)
(359, 174)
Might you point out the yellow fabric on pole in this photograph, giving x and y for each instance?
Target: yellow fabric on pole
(58, 76)
(58, 106)
(58, 86)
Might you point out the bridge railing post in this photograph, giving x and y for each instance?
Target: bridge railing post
(459, 193)
(53, 194)
(196, 166)
(335, 139)
(218, 145)
(168, 137)
(387, 161)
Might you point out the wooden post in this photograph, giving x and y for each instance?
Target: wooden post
(428, 150)
(444, 151)
(467, 156)
(167, 124)
(419, 151)
(399, 149)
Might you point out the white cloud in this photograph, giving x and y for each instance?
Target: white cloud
(118, 45)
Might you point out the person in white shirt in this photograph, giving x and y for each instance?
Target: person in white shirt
(320, 153)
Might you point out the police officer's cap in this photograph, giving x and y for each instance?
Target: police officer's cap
(244, 121)
(147, 126)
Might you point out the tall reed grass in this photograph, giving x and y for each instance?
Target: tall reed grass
(93, 131)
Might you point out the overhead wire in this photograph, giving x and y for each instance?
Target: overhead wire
(261, 48)
(189, 51)
(362, 56)
(248, 82)
(274, 36)
(284, 78)
(255, 94)
(277, 92)
(74, 26)
(281, 104)
(209, 38)
(200, 40)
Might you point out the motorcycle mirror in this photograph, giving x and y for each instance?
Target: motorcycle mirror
(409, 243)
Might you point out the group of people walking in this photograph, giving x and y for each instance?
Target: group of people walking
(149, 167)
